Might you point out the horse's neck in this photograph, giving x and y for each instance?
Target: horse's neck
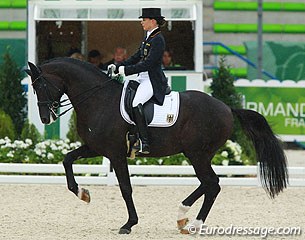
(92, 96)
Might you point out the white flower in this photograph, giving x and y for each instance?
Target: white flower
(2, 141)
(224, 154)
(50, 156)
(26, 159)
(75, 145)
(238, 149)
(160, 161)
(237, 158)
(38, 152)
(10, 154)
(64, 151)
(7, 140)
(184, 163)
(47, 142)
(41, 146)
(8, 145)
(53, 147)
(65, 146)
(225, 162)
(24, 145)
(138, 162)
(28, 141)
(18, 142)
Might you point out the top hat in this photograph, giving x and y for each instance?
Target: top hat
(151, 13)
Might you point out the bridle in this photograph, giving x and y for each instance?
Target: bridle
(53, 104)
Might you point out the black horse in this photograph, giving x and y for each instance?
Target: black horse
(203, 126)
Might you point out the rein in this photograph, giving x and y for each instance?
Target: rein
(54, 105)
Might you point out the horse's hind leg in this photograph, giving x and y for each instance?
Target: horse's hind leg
(209, 186)
(81, 152)
(186, 204)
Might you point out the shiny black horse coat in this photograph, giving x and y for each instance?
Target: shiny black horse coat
(203, 126)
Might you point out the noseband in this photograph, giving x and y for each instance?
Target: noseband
(52, 104)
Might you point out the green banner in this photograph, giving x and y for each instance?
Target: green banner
(284, 60)
(283, 107)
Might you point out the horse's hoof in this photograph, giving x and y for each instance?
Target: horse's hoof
(182, 223)
(124, 231)
(83, 194)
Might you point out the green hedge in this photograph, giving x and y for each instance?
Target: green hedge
(54, 151)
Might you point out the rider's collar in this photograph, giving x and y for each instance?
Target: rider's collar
(150, 32)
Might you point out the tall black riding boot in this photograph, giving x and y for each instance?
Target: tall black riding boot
(141, 123)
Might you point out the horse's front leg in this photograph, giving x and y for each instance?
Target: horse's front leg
(81, 152)
(121, 169)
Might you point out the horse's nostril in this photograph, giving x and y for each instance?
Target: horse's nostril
(44, 120)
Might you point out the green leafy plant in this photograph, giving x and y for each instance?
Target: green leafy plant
(72, 133)
(229, 154)
(29, 131)
(54, 151)
(7, 128)
(223, 89)
(48, 151)
(13, 100)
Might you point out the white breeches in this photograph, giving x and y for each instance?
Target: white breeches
(144, 92)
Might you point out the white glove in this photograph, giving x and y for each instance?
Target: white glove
(114, 75)
(122, 70)
(111, 67)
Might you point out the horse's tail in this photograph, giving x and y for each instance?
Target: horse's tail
(269, 151)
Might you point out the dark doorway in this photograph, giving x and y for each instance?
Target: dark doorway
(180, 40)
(57, 39)
(105, 36)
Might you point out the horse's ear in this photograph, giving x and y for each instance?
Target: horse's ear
(34, 70)
(28, 71)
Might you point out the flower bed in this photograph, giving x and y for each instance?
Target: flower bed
(54, 151)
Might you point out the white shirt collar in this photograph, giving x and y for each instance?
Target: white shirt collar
(149, 32)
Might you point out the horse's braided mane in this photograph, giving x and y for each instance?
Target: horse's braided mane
(80, 63)
(90, 67)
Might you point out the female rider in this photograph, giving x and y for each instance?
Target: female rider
(147, 63)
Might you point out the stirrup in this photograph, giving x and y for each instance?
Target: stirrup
(138, 147)
(144, 148)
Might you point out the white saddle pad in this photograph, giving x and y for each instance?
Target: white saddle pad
(164, 116)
